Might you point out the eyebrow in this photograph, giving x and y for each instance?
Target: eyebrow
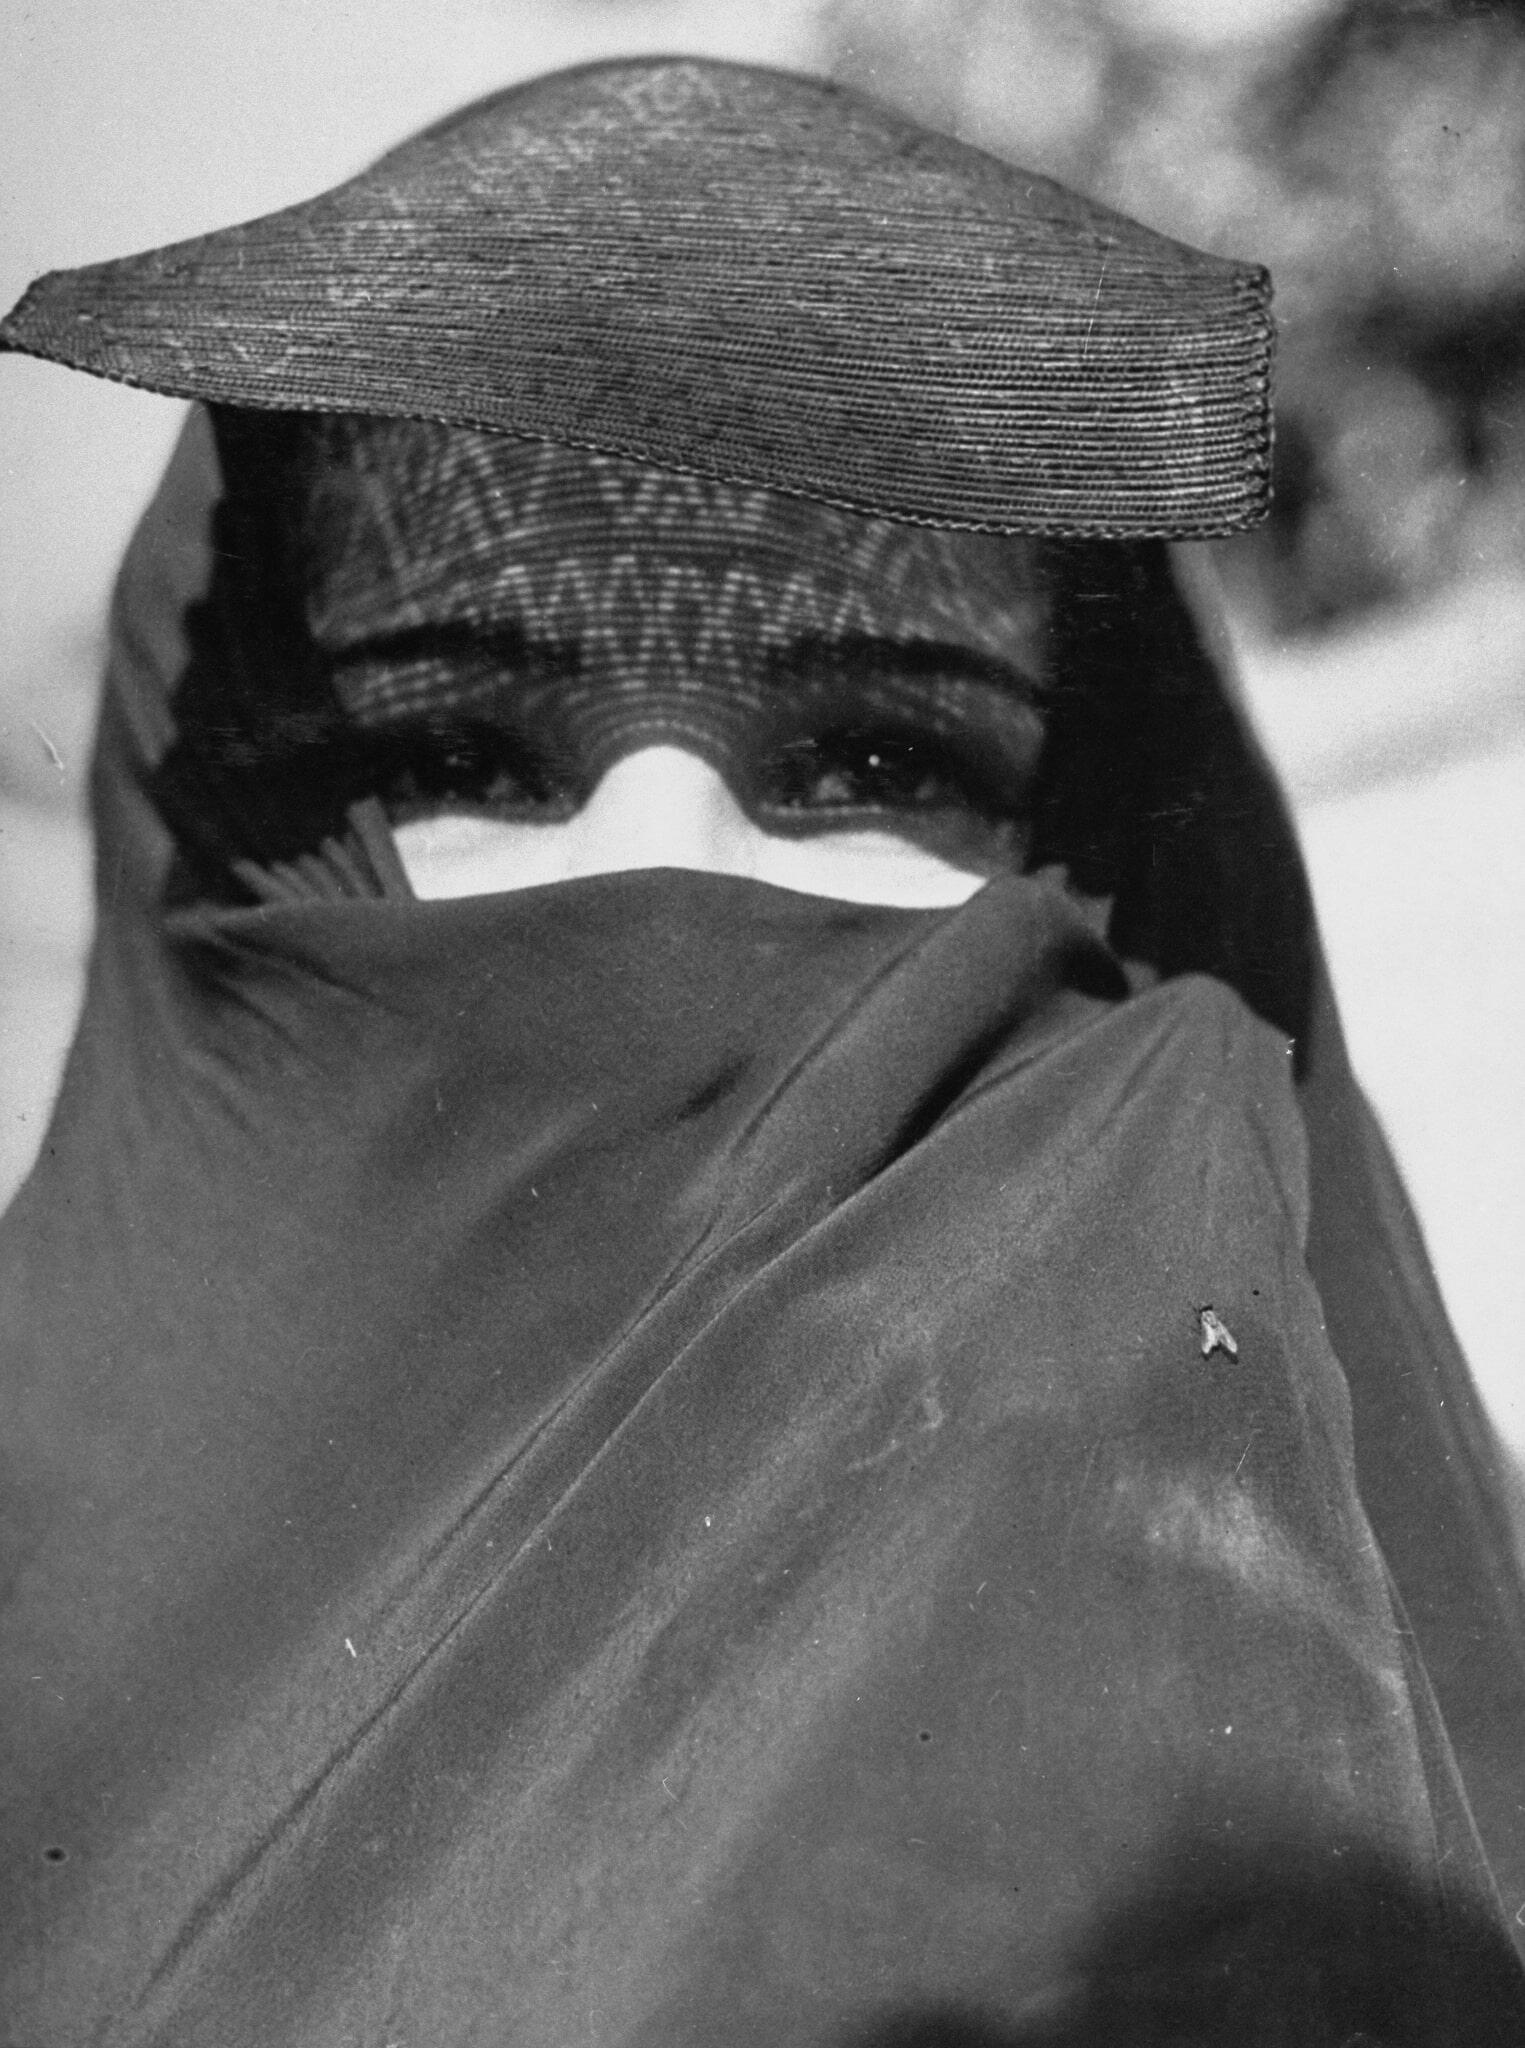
(850, 659)
(458, 638)
(916, 654)
(864, 656)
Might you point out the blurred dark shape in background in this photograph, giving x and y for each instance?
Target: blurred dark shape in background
(1372, 153)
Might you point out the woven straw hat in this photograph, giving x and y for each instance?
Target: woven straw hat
(734, 271)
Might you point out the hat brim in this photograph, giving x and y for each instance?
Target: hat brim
(733, 271)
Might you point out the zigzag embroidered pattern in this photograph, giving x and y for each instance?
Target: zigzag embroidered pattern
(672, 600)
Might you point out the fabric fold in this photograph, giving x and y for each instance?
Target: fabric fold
(799, 1613)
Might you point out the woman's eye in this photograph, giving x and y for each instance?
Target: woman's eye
(850, 771)
(432, 767)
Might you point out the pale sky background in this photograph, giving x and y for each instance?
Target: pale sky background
(1402, 741)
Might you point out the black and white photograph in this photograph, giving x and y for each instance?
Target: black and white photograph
(762, 1024)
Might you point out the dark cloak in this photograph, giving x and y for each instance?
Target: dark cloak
(635, 1462)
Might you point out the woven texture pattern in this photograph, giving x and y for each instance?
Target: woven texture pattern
(441, 619)
(734, 272)
(591, 601)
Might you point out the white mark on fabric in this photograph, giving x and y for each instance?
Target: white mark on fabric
(1101, 278)
(1215, 1525)
(1085, 1480)
(52, 751)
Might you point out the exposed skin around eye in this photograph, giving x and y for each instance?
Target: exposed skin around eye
(663, 806)
(852, 771)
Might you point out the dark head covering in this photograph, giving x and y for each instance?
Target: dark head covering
(652, 1461)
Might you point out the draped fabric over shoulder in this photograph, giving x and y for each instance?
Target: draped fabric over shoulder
(665, 1463)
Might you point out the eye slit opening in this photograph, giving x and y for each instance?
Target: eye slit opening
(955, 729)
(876, 769)
(429, 763)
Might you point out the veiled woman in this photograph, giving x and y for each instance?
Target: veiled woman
(710, 1348)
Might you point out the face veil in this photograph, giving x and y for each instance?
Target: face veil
(636, 1460)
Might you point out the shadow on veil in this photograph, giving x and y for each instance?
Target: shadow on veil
(1290, 1943)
